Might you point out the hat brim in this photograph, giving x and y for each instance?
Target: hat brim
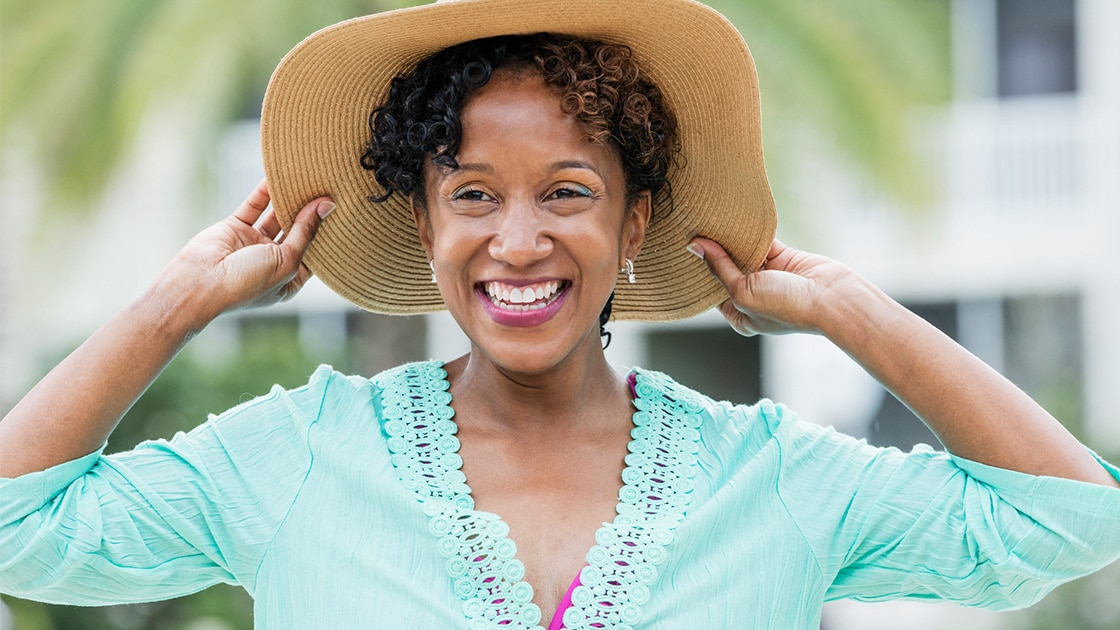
(314, 129)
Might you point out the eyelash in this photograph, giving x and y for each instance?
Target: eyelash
(569, 192)
(463, 193)
(576, 191)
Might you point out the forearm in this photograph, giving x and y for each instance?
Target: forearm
(976, 412)
(73, 409)
(244, 261)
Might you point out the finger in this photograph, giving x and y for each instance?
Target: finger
(776, 249)
(739, 320)
(779, 256)
(269, 225)
(254, 205)
(307, 224)
(302, 276)
(722, 267)
(292, 287)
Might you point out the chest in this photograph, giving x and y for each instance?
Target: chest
(703, 583)
(559, 502)
(392, 537)
(364, 556)
(554, 502)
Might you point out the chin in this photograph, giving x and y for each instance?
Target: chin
(532, 353)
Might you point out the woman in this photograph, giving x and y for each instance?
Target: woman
(533, 177)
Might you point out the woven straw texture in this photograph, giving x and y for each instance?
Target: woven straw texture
(314, 129)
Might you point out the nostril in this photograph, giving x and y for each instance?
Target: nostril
(520, 249)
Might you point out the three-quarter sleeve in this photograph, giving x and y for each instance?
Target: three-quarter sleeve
(885, 524)
(167, 518)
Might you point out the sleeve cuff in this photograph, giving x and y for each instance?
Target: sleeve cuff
(28, 492)
(1087, 497)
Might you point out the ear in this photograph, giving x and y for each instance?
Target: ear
(634, 225)
(423, 224)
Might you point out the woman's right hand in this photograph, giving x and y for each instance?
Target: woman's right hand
(246, 260)
(240, 262)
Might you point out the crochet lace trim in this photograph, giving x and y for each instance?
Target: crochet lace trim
(657, 483)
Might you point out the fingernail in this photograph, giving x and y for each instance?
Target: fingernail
(693, 248)
(325, 208)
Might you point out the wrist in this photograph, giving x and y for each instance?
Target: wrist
(175, 309)
(854, 310)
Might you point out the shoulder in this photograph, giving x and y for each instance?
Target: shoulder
(284, 418)
(764, 430)
(327, 393)
(757, 422)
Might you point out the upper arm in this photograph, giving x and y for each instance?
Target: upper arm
(167, 518)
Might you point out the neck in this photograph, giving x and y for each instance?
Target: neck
(569, 397)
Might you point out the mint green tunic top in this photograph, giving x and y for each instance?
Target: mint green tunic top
(341, 504)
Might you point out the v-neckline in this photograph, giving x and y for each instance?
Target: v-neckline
(417, 419)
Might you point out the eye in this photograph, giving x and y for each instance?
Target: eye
(570, 191)
(469, 193)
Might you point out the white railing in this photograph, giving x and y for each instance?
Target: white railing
(1014, 158)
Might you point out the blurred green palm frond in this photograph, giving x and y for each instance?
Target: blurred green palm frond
(852, 72)
(76, 77)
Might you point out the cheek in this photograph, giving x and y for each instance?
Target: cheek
(599, 250)
(446, 235)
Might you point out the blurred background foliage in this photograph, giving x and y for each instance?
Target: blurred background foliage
(78, 76)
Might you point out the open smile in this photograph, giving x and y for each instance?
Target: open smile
(524, 298)
(524, 305)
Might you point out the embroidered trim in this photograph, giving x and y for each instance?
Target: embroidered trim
(657, 483)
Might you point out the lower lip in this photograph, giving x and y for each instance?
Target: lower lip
(522, 319)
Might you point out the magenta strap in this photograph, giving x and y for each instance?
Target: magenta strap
(565, 604)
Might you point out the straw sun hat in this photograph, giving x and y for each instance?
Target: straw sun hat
(314, 130)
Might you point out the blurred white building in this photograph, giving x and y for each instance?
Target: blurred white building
(1019, 259)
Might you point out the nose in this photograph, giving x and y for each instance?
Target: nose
(521, 236)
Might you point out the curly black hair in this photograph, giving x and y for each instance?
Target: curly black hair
(598, 83)
(601, 84)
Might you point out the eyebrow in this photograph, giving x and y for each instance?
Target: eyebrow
(555, 166)
(482, 168)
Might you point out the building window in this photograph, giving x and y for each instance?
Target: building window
(1036, 42)
(716, 361)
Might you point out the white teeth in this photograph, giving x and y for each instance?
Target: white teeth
(525, 298)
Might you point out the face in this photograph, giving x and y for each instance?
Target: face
(528, 235)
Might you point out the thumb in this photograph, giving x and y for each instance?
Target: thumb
(307, 223)
(719, 263)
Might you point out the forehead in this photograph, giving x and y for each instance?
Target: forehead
(516, 108)
(513, 93)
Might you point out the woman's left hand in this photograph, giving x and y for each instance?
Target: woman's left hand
(786, 295)
(975, 412)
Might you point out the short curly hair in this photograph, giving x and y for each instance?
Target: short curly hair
(599, 83)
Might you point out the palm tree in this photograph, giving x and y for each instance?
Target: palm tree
(852, 72)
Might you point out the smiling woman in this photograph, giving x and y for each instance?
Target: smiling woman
(564, 148)
(527, 167)
(534, 203)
